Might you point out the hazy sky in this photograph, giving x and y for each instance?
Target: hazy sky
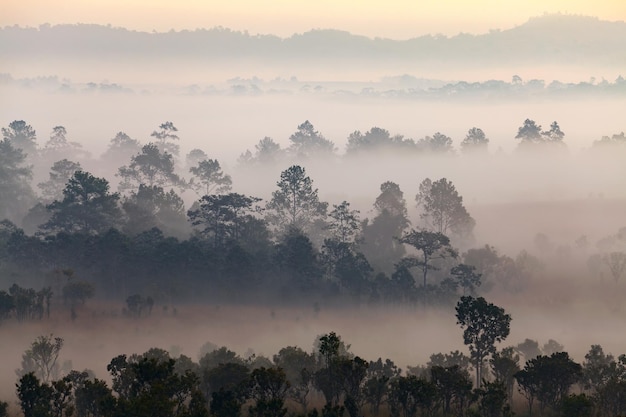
(398, 19)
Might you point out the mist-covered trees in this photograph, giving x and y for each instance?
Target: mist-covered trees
(58, 146)
(208, 178)
(617, 139)
(60, 173)
(222, 217)
(267, 152)
(295, 205)
(442, 210)
(152, 206)
(380, 244)
(42, 358)
(87, 207)
(530, 133)
(121, 148)
(329, 377)
(21, 136)
(307, 142)
(15, 191)
(436, 144)
(166, 138)
(376, 140)
(150, 167)
(431, 246)
(475, 141)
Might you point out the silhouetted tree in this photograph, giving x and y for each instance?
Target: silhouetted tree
(87, 207)
(529, 132)
(344, 223)
(432, 246)
(466, 277)
(549, 378)
(152, 206)
(484, 324)
(269, 389)
(222, 216)
(295, 205)
(504, 366)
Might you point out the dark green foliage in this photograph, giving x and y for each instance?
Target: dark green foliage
(577, 405)
(225, 404)
(148, 385)
(34, 397)
(269, 388)
(548, 379)
(504, 366)
(94, 398)
(492, 400)
(454, 388)
(409, 394)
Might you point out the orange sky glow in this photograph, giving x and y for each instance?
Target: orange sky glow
(398, 19)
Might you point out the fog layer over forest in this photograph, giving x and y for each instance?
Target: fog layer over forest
(188, 210)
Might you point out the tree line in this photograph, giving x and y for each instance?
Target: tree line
(332, 381)
(142, 240)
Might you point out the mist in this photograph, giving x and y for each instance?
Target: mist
(543, 217)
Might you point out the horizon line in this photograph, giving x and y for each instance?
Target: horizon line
(47, 25)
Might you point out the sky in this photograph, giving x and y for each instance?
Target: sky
(396, 19)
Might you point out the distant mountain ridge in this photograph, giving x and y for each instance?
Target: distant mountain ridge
(559, 39)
